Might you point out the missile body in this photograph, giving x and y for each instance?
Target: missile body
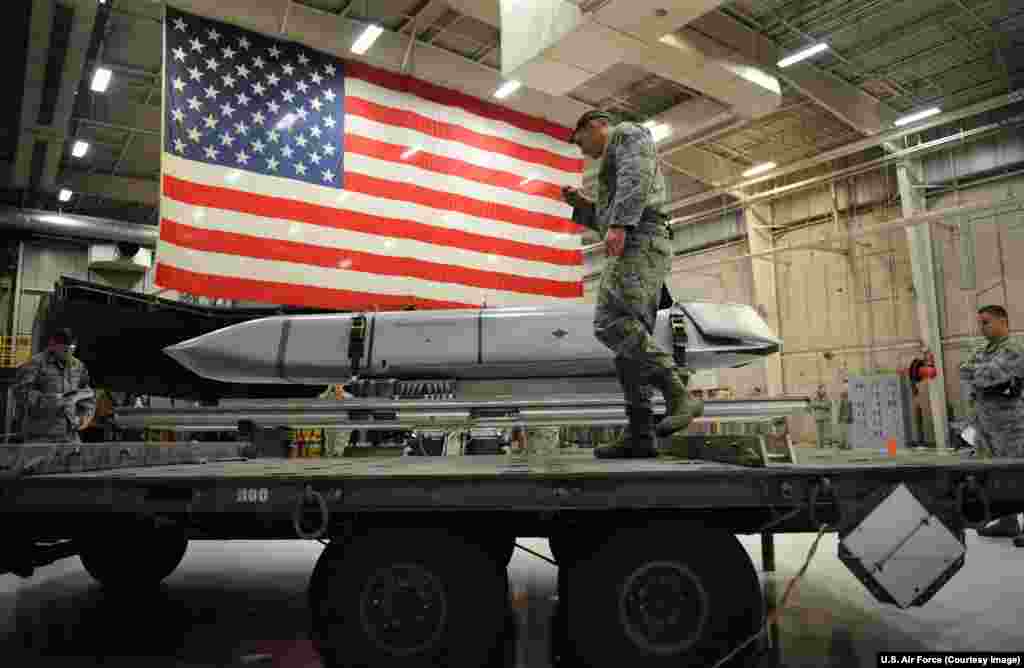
(548, 341)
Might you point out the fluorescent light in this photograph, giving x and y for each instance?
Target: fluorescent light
(917, 116)
(65, 195)
(286, 121)
(80, 149)
(803, 55)
(760, 169)
(410, 152)
(658, 130)
(101, 79)
(366, 40)
(507, 89)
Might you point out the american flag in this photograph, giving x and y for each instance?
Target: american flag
(292, 177)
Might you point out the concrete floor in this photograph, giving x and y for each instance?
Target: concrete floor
(243, 603)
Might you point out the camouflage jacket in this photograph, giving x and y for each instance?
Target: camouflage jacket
(995, 371)
(629, 180)
(38, 386)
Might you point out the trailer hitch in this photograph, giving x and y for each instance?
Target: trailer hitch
(969, 489)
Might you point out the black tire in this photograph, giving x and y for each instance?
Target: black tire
(667, 595)
(140, 556)
(407, 598)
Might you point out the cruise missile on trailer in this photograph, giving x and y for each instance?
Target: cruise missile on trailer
(544, 341)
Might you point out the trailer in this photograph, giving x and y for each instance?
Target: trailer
(416, 548)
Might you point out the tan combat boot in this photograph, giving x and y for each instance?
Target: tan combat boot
(680, 408)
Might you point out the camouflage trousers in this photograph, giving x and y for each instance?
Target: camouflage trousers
(1000, 424)
(628, 298)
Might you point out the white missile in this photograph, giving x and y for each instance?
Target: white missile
(548, 341)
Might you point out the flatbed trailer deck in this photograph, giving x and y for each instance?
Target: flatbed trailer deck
(650, 570)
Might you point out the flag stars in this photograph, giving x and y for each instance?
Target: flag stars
(211, 92)
(258, 88)
(179, 145)
(258, 62)
(212, 64)
(179, 24)
(288, 68)
(244, 43)
(314, 158)
(329, 122)
(275, 52)
(301, 141)
(273, 79)
(197, 45)
(273, 137)
(258, 146)
(241, 128)
(194, 104)
(303, 59)
(330, 69)
(195, 74)
(242, 158)
(213, 35)
(228, 52)
(179, 53)
(328, 176)
(178, 115)
(328, 149)
(316, 78)
(288, 96)
(210, 121)
(258, 118)
(329, 95)
(243, 99)
(315, 131)
(316, 104)
(302, 86)
(229, 81)
(226, 109)
(301, 113)
(272, 164)
(211, 152)
(274, 107)
(242, 70)
(194, 135)
(287, 152)
(226, 139)
(179, 85)
(300, 169)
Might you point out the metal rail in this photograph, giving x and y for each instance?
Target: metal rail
(390, 414)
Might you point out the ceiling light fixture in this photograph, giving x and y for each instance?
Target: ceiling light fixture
(507, 89)
(101, 79)
(760, 169)
(920, 115)
(803, 55)
(80, 148)
(366, 40)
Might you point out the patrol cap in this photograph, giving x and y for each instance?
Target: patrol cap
(592, 115)
(63, 335)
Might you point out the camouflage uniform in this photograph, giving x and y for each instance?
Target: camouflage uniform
(38, 387)
(994, 374)
(630, 190)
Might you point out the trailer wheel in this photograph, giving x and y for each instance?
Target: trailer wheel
(140, 558)
(667, 595)
(407, 598)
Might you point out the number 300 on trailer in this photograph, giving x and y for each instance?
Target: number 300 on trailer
(252, 495)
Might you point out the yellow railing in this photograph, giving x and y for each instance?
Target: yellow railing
(14, 351)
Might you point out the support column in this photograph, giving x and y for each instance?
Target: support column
(926, 288)
(758, 220)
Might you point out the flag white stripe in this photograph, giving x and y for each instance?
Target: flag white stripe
(458, 116)
(237, 266)
(392, 171)
(285, 230)
(401, 136)
(272, 186)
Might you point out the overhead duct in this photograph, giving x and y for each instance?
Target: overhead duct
(551, 45)
(77, 227)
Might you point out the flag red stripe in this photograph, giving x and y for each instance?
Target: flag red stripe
(408, 192)
(411, 120)
(451, 167)
(201, 195)
(434, 93)
(227, 287)
(277, 250)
